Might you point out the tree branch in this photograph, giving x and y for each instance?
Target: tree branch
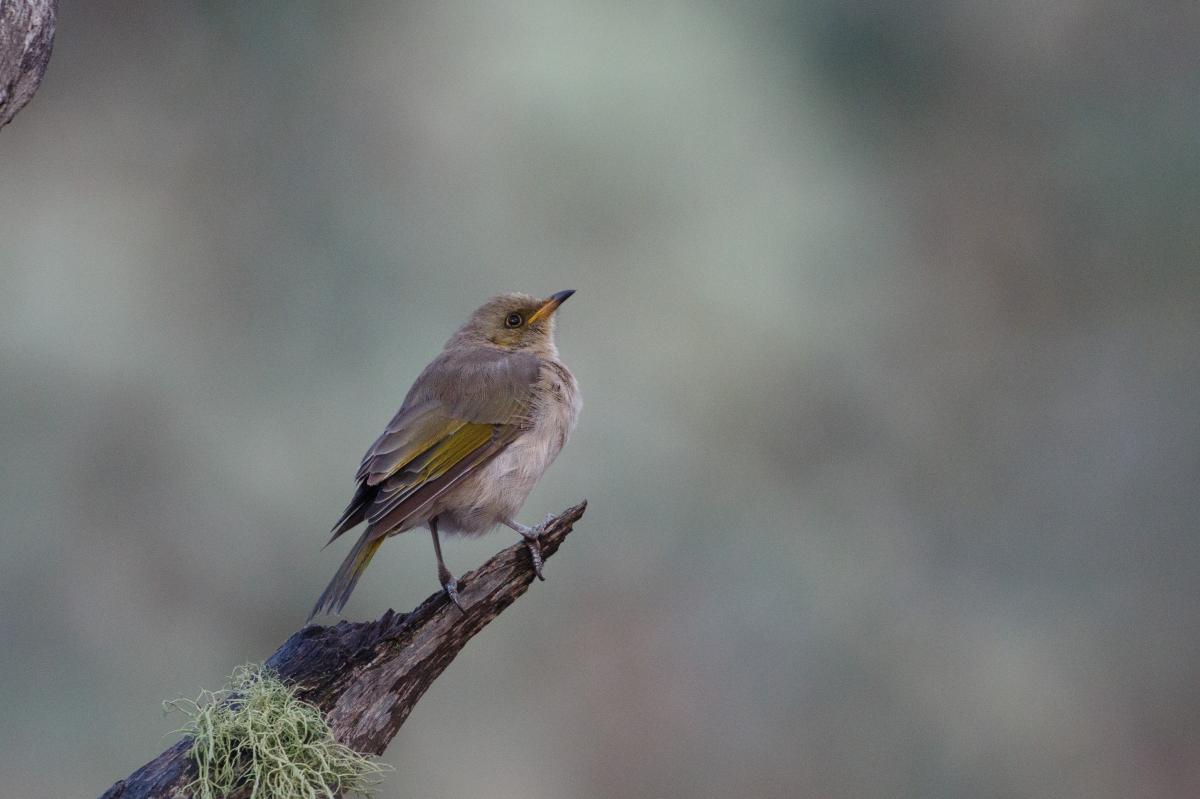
(367, 676)
(26, 39)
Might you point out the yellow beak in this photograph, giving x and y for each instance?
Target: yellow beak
(550, 305)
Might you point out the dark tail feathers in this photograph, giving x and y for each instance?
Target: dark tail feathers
(340, 588)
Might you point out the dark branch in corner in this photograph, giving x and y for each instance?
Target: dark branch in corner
(26, 39)
(367, 676)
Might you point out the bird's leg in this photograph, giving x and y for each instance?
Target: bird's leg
(532, 536)
(449, 584)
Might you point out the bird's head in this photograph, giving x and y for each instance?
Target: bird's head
(514, 322)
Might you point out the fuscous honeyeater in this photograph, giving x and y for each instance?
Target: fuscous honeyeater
(475, 433)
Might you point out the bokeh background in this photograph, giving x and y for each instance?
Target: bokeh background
(888, 328)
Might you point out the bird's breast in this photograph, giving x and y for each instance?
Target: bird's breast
(499, 489)
(552, 417)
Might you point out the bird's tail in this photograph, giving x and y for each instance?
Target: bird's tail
(339, 589)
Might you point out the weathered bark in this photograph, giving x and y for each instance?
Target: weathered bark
(26, 39)
(368, 676)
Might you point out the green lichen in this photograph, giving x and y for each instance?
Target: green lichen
(255, 732)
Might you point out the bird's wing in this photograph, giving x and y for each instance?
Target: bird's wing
(462, 411)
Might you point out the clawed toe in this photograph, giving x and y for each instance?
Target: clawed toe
(532, 541)
(450, 586)
(535, 553)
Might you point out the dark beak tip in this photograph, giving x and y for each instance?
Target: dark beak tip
(562, 296)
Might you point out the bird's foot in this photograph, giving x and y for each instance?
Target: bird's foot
(535, 554)
(532, 536)
(450, 586)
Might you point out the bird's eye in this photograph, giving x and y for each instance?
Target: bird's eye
(513, 320)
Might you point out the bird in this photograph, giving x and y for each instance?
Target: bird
(475, 433)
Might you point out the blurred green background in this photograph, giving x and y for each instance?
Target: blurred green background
(888, 329)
